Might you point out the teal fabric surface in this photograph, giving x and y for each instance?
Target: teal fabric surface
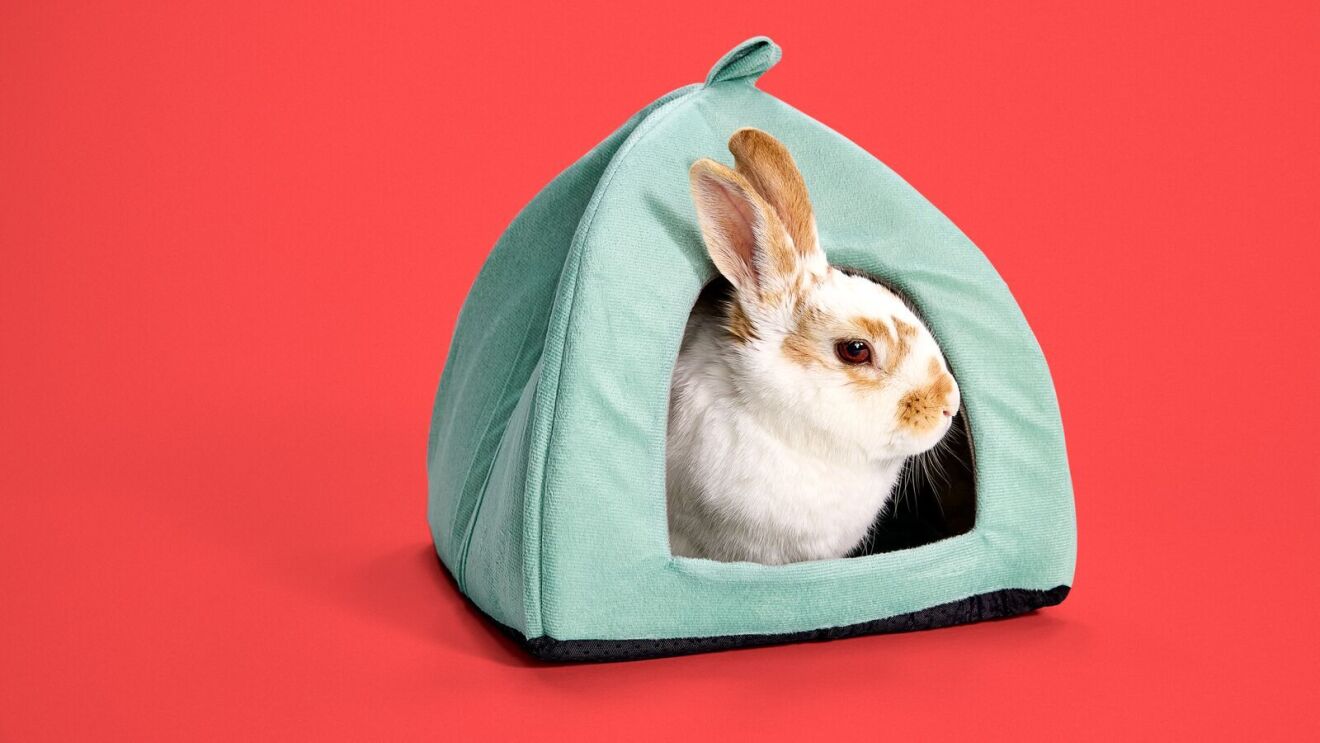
(547, 492)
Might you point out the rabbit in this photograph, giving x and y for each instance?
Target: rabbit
(799, 391)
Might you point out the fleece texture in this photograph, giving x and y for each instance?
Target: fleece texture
(546, 457)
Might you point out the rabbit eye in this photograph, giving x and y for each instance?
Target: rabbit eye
(853, 351)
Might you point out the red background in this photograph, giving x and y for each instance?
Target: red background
(235, 240)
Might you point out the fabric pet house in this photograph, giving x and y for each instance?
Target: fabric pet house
(547, 445)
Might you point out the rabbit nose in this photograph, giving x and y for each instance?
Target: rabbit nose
(947, 413)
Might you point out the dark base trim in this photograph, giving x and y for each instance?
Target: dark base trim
(994, 605)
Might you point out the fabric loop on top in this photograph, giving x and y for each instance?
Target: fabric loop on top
(747, 61)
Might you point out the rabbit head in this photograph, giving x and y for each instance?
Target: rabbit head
(828, 358)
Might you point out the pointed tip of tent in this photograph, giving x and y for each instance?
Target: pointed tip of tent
(746, 62)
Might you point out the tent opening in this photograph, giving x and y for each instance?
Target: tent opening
(935, 497)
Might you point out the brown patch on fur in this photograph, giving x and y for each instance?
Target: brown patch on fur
(865, 376)
(873, 329)
(802, 344)
(742, 232)
(782, 260)
(765, 162)
(906, 334)
(922, 408)
(738, 324)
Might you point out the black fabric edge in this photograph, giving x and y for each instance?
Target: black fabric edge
(1007, 602)
(994, 605)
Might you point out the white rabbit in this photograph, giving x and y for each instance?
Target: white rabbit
(797, 395)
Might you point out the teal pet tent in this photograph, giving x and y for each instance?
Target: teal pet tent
(547, 446)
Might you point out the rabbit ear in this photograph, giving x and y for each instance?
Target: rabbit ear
(766, 164)
(743, 234)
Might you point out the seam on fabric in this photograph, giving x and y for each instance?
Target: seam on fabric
(480, 495)
(460, 575)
